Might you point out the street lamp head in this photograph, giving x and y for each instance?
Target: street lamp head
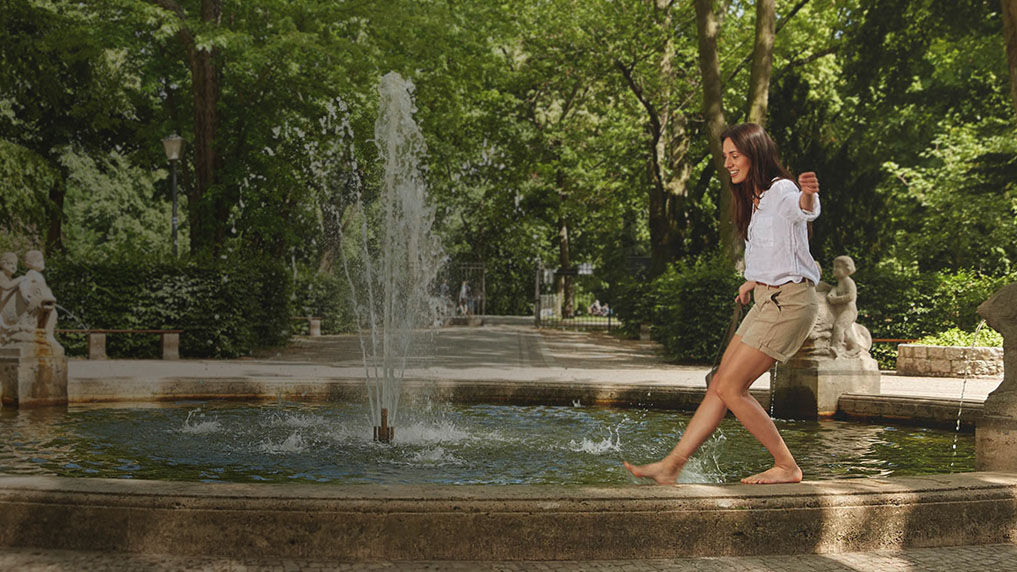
(172, 146)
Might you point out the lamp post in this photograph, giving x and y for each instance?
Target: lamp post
(172, 146)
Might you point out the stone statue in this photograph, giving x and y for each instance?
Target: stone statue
(28, 305)
(996, 431)
(11, 303)
(33, 367)
(835, 333)
(834, 359)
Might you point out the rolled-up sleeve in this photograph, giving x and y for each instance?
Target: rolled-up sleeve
(788, 205)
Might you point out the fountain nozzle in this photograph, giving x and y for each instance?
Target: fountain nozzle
(384, 434)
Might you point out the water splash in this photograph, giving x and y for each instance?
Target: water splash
(964, 385)
(294, 443)
(71, 315)
(199, 426)
(609, 444)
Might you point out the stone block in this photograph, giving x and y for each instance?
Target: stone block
(96, 346)
(995, 443)
(904, 364)
(32, 376)
(171, 346)
(961, 367)
(939, 366)
(314, 326)
(937, 352)
(918, 352)
(809, 388)
(920, 366)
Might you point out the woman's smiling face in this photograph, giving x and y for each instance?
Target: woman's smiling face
(735, 162)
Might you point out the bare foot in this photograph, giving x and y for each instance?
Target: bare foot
(661, 472)
(775, 475)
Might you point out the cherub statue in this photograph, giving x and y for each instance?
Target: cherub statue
(29, 305)
(835, 332)
(9, 307)
(842, 299)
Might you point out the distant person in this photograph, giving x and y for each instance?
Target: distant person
(771, 214)
(594, 308)
(605, 310)
(464, 298)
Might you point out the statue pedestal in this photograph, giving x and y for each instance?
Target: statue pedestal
(996, 438)
(809, 387)
(996, 431)
(33, 374)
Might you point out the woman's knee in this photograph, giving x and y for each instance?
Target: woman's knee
(727, 389)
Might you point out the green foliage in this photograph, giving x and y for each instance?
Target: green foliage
(225, 310)
(694, 302)
(326, 296)
(113, 209)
(898, 302)
(25, 179)
(539, 117)
(987, 337)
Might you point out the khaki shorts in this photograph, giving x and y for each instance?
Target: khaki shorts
(781, 318)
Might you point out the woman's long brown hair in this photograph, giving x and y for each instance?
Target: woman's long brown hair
(752, 141)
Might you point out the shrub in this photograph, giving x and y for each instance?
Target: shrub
(987, 337)
(633, 300)
(898, 301)
(326, 296)
(693, 307)
(226, 309)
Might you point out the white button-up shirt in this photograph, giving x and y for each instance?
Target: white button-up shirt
(777, 248)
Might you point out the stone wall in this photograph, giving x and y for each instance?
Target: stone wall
(947, 361)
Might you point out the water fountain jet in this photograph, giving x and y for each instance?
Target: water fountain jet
(392, 286)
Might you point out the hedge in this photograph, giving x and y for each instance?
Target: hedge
(689, 306)
(224, 309)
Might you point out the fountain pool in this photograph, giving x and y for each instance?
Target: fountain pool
(215, 441)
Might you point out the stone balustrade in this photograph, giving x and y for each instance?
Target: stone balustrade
(949, 361)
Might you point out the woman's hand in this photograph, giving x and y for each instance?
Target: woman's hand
(808, 183)
(745, 292)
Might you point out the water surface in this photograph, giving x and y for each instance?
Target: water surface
(475, 444)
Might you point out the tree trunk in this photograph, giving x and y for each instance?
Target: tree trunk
(1010, 37)
(57, 193)
(208, 217)
(759, 80)
(713, 111)
(667, 166)
(566, 282)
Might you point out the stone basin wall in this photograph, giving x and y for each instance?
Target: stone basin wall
(949, 361)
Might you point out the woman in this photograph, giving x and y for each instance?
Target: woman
(771, 214)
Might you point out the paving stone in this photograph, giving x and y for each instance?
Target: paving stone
(990, 558)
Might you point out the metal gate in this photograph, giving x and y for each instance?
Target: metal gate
(550, 309)
(462, 288)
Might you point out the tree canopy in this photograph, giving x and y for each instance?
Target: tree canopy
(562, 131)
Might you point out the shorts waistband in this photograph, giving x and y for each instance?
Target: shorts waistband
(782, 284)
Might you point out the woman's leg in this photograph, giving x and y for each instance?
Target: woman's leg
(740, 366)
(732, 385)
(703, 423)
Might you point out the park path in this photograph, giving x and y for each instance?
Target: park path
(506, 349)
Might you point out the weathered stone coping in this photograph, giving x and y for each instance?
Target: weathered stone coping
(922, 411)
(92, 390)
(930, 412)
(506, 522)
(949, 361)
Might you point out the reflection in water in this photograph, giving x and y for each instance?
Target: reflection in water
(479, 444)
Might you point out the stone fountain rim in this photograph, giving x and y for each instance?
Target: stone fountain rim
(509, 522)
